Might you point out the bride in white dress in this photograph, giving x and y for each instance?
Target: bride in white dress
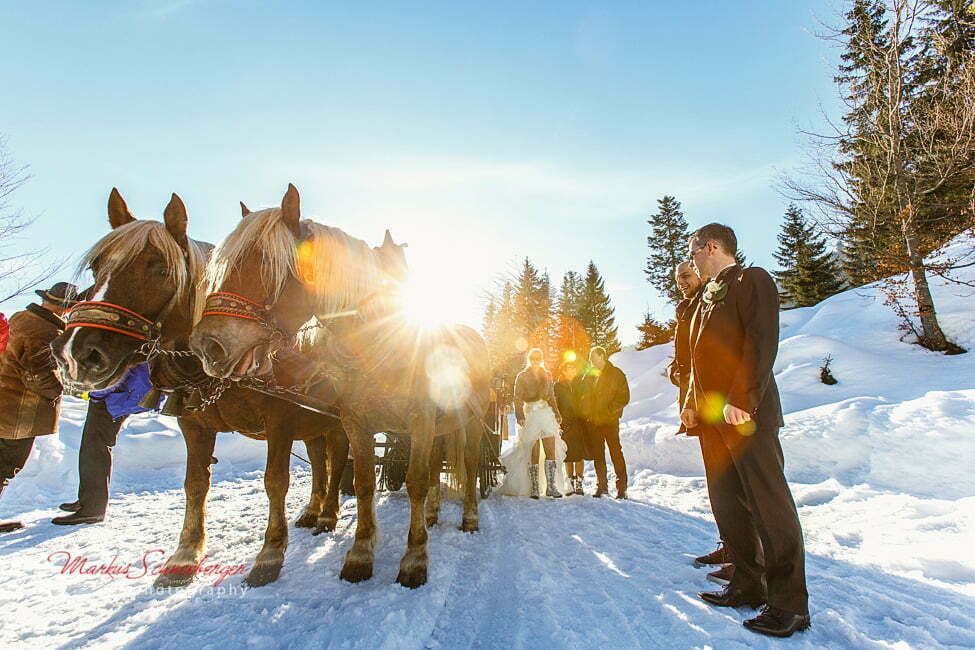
(538, 438)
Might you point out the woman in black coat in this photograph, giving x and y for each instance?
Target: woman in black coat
(568, 395)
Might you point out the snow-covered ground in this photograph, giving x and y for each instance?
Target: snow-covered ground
(880, 465)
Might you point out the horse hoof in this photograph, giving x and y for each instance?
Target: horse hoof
(325, 524)
(262, 574)
(174, 580)
(470, 526)
(413, 578)
(432, 521)
(306, 520)
(356, 572)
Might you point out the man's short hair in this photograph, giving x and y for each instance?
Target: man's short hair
(598, 350)
(716, 232)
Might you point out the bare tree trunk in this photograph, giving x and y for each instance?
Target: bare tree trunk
(932, 336)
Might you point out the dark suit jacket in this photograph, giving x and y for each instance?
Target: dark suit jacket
(679, 370)
(733, 343)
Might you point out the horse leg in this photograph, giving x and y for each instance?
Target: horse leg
(472, 462)
(267, 565)
(180, 569)
(316, 456)
(433, 493)
(413, 566)
(337, 444)
(359, 559)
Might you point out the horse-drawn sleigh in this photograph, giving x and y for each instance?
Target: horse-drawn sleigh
(216, 327)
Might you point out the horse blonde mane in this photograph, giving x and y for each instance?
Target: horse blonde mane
(117, 248)
(340, 270)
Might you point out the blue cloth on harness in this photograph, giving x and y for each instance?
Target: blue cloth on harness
(124, 397)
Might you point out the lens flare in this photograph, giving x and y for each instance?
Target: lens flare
(423, 303)
(448, 377)
(712, 409)
(746, 428)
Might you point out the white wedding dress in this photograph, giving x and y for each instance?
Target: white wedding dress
(539, 423)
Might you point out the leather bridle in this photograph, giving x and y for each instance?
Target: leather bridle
(103, 315)
(234, 305)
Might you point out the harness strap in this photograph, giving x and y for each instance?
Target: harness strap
(111, 317)
(225, 303)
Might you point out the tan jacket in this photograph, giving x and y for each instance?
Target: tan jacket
(531, 386)
(30, 387)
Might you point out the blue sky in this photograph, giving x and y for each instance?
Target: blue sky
(479, 133)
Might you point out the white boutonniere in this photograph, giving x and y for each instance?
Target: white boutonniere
(714, 291)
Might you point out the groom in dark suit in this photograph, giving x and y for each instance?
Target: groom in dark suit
(732, 403)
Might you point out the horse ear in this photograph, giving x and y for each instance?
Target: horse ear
(175, 218)
(291, 209)
(118, 212)
(388, 239)
(244, 210)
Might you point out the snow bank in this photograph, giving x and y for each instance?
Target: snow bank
(150, 455)
(901, 418)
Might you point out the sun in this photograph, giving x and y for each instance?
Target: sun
(424, 303)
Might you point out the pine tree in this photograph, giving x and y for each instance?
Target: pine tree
(668, 247)
(531, 311)
(596, 312)
(862, 76)
(809, 274)
(569, 333)
(942, 66)
(652, 332)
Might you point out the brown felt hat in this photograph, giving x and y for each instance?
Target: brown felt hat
(64, 294)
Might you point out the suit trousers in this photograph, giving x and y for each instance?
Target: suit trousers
(601, 436)
(755, 513)
(95, 458)
(13, 457)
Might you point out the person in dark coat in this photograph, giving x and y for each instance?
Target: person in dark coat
(679, 371)
(733, 404)
(107, 412)
(608, 395)
(30, 386)
(568, 394)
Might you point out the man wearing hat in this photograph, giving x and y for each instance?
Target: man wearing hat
(30, 388)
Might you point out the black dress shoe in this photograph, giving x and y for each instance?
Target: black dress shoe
(729, 597)
(76, 518)
(74, 506)
(776, 622)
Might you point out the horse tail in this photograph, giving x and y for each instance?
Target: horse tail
(455, 446)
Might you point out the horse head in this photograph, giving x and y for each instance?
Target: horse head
(147, 277)
(255, 270)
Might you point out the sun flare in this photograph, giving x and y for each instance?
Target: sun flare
(423, 303)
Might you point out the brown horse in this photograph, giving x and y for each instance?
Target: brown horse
(386, 374)
(149, 278)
